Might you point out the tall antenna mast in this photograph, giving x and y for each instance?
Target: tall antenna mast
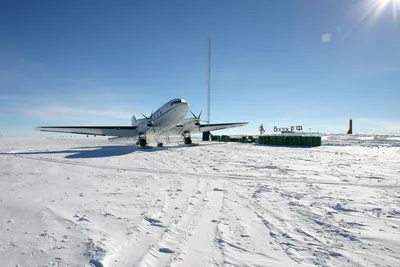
(209, 79)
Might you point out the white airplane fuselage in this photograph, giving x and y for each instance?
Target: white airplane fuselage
(163, 119)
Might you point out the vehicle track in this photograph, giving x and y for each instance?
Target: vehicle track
(202, 247)
(144, 237)
(219, 175)
(167, 248)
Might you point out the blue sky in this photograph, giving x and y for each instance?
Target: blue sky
(281, 63)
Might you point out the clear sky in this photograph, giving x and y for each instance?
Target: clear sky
(278, 62)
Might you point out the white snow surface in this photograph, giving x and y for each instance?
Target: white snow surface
(79, 201)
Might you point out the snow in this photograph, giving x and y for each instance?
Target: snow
(81, 201)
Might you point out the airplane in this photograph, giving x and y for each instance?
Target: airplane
(168, 120)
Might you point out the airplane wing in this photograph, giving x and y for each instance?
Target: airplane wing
(119, 131)
(220, 126)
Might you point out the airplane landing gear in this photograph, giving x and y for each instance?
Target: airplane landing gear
(142, 141)
(187, 139)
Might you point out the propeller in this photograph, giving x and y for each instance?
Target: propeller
(197, 118)
(149, 121)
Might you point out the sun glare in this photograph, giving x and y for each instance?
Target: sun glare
(381, 5)
(373, 9)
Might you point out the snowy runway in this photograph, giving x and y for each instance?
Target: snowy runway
(69, 201)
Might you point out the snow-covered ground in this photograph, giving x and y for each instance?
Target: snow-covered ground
(77, 201)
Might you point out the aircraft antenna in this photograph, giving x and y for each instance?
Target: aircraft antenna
(209, 79)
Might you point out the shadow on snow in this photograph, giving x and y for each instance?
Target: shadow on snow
(97, 151)
(94, 152)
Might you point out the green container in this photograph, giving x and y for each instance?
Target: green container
(279, 140)
(303, 141)
(293, 141)
(319, 141)
(298, 140)
(285, 140)
(290, 140)
(314, 140)
(273, 140)
(266, 140)
(308, 141)
(261, 140)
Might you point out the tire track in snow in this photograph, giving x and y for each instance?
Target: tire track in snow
(150, 230)
(167, 247)
(219, 175)
(290, 236)
(141, 233)
(305, 243)
(246, 240)
(278, 227)
(203, 246)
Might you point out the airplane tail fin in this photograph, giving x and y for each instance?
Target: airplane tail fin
(133, 120)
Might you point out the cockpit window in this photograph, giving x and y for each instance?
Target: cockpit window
(176, 102)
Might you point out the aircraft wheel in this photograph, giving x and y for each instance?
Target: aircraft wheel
(188, 140)
(143, 142)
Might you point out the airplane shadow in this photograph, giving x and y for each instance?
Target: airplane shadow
(92, 152)
(99, 151)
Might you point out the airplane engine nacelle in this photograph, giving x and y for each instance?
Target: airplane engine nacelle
(134, 121)
(142, 127)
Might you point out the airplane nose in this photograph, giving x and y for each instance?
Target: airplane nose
(185, 107)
